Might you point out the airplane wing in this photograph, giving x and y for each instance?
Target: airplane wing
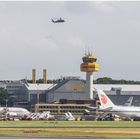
(105, 109)
(91, 107)
(100, 108)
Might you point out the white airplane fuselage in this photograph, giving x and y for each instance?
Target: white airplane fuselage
(18, 111)
(125, 111)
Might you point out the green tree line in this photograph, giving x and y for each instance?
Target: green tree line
(54, 81)
(103, 80)
(108, 80)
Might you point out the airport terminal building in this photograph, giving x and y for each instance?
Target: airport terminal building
(69, 90)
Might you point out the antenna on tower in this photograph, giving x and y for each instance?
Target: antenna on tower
(88, 50)
(85, 51)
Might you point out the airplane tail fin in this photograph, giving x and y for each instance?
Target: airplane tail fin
(129, 101)
(104, 100)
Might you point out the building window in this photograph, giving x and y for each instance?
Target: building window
(118, 91)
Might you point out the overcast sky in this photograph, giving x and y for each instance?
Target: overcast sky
(28, 38)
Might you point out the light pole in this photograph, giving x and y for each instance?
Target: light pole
(6, 100)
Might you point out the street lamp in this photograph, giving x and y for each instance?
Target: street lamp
(6, 100)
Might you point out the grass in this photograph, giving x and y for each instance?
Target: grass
(71, 129)
(68, 124)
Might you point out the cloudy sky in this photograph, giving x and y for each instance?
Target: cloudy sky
(28, 38)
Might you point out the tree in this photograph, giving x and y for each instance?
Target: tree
(104, 80)
(108, 80)
(3, 95)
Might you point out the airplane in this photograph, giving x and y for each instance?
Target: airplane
(94, 109)
(58, 20)
(131, 112)
(14, 111)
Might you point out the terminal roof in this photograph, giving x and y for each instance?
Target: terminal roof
(39, 86)
(108, 87)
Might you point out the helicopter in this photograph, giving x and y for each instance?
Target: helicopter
(58, 20)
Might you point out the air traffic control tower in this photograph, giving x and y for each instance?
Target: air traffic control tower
(89, 66)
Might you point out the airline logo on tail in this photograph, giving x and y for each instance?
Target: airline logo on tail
(103, 99)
